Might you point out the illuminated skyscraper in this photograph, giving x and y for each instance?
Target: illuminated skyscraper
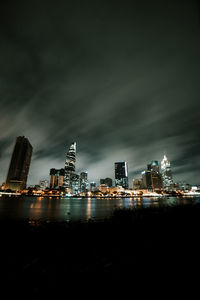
(121, 174)
(75, 183)
(70, 166)
(71, 179)
(84, 185)
(19, 165)
(166, 173)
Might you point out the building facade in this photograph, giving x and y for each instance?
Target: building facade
(93, 186)
(70, 166)
(107, 181)
(75, 183)
(19, 165)
(56, 178)
(121, 174)
(152, 178)
(84, 185)
(166, 173)
(71, 181)
(156, 180)
(137, 184)
(146, 180)
(153, 166)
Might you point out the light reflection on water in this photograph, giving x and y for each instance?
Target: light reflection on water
(74, 209)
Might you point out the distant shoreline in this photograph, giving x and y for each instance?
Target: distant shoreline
(101, 197)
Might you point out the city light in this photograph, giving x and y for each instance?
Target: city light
(65, 182)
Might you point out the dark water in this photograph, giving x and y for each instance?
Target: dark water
(74, 209)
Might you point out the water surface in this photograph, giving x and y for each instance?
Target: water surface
(75, 209)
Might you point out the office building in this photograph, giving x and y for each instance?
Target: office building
(107, 181)
(151, 178)
(19, 165)
(121, 174)
(56, 178)
(69, 166)
(75, 183)
(93, 186)
(146, 180)
(166, 173)
(84, 185)
(153, 166)
(137, 184)
(156, 181)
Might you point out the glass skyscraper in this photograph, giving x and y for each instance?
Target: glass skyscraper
(70, 166)
(166, 173)
(121, 174)
(19, 165)
(84, 185)
(71, 179)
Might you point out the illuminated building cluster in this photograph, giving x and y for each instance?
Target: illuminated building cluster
(154, 179)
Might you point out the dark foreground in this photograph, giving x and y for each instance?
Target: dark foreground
(134, 251)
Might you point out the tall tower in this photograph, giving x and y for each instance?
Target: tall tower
(166, 173)
(84, 185)
(69, 177)
(121, 174)
(19, 165)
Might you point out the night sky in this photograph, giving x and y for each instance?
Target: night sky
(121, 78)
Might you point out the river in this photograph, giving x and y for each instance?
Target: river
(53, 209)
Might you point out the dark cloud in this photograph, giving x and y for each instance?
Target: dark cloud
(119, 77)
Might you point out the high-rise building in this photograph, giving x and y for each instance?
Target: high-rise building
(153, 166)
(156, 180)
(56, 177)
(121, 174)
(146, 180)
(166, 173)
(75, 183)
(71, 179)
(70, 166)
(107, 181)
(151, 178)
(93, 186)
(84, 185)
(19, 165)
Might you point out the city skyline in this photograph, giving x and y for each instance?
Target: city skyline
(121, 80)
(156, 176)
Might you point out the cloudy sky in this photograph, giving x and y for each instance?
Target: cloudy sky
(121, 78)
